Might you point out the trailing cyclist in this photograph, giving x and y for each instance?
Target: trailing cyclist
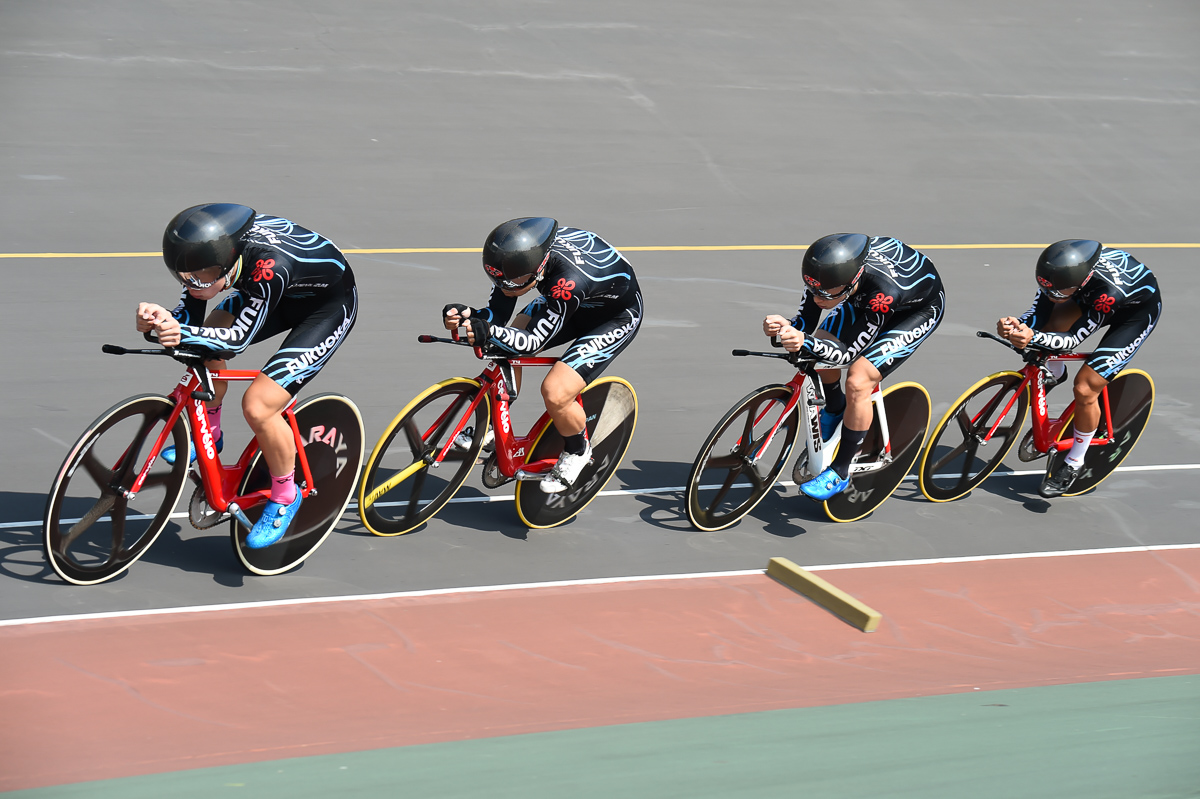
(588, 296)
(1083, 285)
(886, 298)
(283, 278)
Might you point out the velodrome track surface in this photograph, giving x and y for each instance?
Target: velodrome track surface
(665, 127)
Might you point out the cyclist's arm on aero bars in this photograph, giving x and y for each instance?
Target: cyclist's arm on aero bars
(546, 320)
(1070, 339)
(250, 310)
(834, 352)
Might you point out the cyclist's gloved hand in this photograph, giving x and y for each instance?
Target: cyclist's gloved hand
(453, 314)
(478, 330)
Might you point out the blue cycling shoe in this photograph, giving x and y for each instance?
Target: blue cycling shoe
(273, 523)
(168, 453)
(825, 485)
(829, 423)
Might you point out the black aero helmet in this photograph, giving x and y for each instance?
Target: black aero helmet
(1067, 264)
(833, 261)
(205, 236)
(517, 248)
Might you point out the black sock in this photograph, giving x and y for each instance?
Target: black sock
(576, 444)
(851, 441)
(835, 398)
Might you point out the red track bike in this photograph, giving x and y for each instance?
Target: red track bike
(113, 494)
(983, 424)
(429, 449)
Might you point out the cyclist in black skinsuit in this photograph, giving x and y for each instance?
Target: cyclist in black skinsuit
(284, 278)
(589, 296)
(1084, 285)
(886, 299)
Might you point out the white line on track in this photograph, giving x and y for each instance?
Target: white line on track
(633, 492)
(479, 589)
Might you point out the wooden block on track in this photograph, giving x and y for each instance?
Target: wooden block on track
(824, 594)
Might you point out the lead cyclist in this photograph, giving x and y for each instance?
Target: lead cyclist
(283, 278)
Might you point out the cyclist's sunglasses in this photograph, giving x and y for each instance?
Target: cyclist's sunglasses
(512, 285)
(1058, 295)
(834, 295)
(201, 278)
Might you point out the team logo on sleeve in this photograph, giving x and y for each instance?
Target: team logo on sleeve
(881, 303)
(1104, 303)
(562, 289)
(263, 270)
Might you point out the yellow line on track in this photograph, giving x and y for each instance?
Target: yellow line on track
(664, 248)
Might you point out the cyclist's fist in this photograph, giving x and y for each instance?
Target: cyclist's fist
(791, 338)
(773, 324)
(1021, 336)
(454, 314)
(148, 315)
(168, 332)
(478, 330)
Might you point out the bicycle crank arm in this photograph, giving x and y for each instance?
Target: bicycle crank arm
(233, 510)
(524, 475)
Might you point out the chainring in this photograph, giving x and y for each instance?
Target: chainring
(1026, 451)
(201, 514)
(492, 478)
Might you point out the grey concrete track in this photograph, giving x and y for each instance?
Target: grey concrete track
(669, 123)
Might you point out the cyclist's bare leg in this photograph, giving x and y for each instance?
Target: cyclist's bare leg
(263, 406)
(861, 380)
(560, 389)
(1088, 385)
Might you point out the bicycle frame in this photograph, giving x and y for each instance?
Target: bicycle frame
(1046, 431)
(220, 482)
(511, 449)
(820, 453)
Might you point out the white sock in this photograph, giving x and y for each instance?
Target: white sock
(1057, 370)
(1079, 448)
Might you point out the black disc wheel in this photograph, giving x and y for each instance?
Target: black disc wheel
(92, 530)
(332, 432)
(958, 458)
(1130, 401)
(610, 406)
(906, 406)
(734, 470)
(400, 489)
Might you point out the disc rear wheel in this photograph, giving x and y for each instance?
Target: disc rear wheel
(610, 406)
(906, 406)
(1130, 400)
(332, 432)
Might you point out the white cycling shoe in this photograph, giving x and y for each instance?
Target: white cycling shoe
(566, 471)
(464, 440)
